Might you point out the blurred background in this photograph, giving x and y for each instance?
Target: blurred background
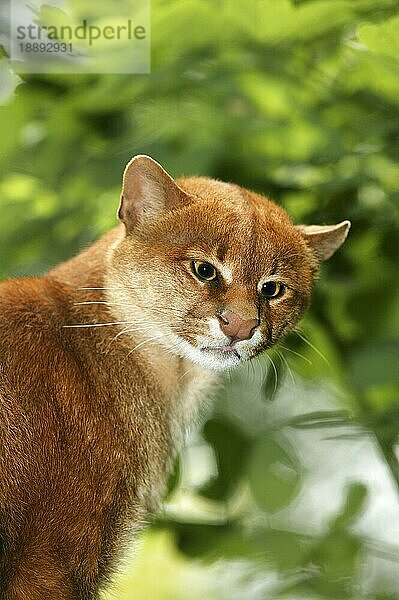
(290, 488)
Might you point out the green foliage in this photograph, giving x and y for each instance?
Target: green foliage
(298, 100)
(273, 467)
(231, 458)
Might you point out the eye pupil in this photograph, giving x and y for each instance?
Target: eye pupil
(271, 289)
(204, 271)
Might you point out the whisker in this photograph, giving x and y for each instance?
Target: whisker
(171, 310)
(131, 329)
(246, 368)
(185, 372)
(160, 309)
(263, 367)
(275, 373)
(171, 347)
(284, 360)
(157, 337)
(83, 325)
(312, 346)
(128, 330)
(297, 353)
(252, 367)
(130, 305)
(141, 322)
(128, 287)
(100, 288)
(101, 302)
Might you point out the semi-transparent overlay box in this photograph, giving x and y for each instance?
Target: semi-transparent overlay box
(80, 36)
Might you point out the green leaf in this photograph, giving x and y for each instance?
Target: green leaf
(274, 474)
(8, 81)
(231, 447)
(382, 38)
(356, 495)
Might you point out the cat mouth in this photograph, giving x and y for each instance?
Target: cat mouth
(227, 350)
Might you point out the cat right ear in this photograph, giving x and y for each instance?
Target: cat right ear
(147, 191)
(324, 239)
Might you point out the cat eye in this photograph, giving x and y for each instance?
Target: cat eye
(272, 289)
(204, 270)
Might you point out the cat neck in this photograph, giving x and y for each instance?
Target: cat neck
(92, 306)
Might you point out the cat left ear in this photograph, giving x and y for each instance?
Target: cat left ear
(324, 239)
(147, 191)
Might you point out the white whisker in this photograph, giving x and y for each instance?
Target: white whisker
(284, 360)
(100, 288)
(275, 373)
(127, 330)
(83, 325)
(252, 367)
(185, 372)
(133, 329)
(312, 346)
(297, 353)
(101, 302)
(156, 337)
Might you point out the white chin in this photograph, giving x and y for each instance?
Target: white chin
(215, 360)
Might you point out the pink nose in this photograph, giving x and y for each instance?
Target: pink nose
(235, 327)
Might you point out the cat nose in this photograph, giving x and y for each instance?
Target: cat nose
(235, 327)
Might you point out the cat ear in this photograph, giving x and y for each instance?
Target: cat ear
(324, 239)
(147, 191)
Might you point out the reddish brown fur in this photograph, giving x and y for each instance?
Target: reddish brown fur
(88, 428)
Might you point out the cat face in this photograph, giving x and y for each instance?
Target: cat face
(211, 271)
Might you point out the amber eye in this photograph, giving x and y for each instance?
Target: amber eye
(204, 270)
(272, 289)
